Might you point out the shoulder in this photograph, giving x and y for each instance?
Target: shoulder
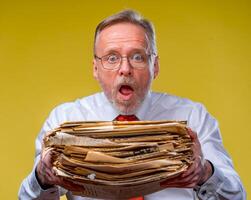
(84, 102)
(179, 108)
(170, 101)
(75, 110)
(195, 113)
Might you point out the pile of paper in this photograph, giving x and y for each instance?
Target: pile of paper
(120, 154)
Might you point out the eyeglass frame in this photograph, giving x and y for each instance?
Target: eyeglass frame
(121, 57)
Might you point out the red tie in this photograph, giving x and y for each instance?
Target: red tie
(128, 118)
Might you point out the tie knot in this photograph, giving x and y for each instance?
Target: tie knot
(126, 118)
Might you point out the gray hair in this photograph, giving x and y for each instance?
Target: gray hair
(133, 17)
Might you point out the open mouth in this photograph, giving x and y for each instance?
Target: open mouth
(126, 91)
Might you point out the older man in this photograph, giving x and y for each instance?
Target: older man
(125, 64)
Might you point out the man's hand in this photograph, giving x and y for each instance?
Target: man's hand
(197, 174)
(46, 175)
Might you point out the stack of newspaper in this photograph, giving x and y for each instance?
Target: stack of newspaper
(119, 154)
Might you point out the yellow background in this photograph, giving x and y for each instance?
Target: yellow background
(46, 59)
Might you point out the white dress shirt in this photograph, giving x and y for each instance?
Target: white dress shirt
(224, 182)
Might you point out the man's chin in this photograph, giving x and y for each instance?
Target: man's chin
(126, 107)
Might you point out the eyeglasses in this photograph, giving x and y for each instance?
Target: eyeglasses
(113, 61)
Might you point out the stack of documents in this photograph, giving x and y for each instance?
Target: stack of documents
(119, 159)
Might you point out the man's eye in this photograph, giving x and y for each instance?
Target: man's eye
(112, 58)
(137, 57)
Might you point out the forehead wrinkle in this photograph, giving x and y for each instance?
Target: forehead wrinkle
(116, 47)
(115, 43)
(116, 36)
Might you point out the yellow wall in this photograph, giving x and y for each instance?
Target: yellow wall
(46, 55)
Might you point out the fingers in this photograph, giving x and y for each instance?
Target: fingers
(189, 171)
(196, 147)
(193, 167)
(180, 180)
(44, 170)
(194, 138)
(191, 177)
(47, 176)
(187, 182)
(191, 133)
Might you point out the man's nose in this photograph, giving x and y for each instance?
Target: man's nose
(125, 67)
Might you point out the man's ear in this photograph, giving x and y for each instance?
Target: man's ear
(95, 68)
(156, 67)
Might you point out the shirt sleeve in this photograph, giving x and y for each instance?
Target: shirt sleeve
(225, 182)
(30, 188)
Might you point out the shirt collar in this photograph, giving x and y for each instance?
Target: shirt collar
(109, 112)
(144, 107)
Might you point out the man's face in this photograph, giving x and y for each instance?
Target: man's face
(125, 87)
